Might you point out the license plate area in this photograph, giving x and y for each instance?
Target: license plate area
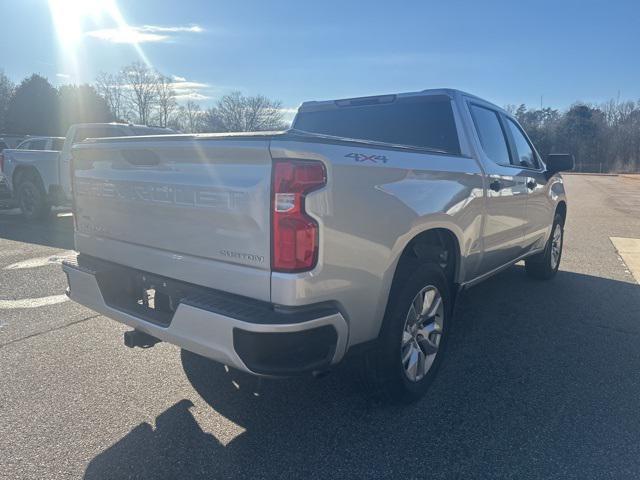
(150, 297)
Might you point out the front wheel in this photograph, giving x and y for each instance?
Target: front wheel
(413, 337)
(544, 266)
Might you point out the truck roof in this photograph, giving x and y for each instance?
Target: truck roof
(193, 136)
(114, 124)
(40, 137)
(386, 98)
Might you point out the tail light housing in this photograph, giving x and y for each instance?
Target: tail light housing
(294, 234)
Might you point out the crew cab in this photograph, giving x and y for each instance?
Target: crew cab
(352, 233)
(37, 170)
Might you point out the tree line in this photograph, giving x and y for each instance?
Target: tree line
(603, 138)
(135, 94)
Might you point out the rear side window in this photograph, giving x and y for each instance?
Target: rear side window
(491, 135)
(423, 122)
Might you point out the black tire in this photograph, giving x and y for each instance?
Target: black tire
(32, 199)
(385, 372)
(544, 266)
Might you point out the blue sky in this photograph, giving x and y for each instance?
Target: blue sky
(508, 52)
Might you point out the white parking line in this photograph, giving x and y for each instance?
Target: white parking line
(629, 250)
(9, 253)
(13, 211)
(32, 302)
(40, 261)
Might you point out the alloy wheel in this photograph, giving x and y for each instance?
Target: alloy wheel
(422, 333)
(556, 246)
(28, 199)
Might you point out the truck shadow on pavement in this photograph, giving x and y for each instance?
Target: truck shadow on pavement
(541, 380)
(55, 231)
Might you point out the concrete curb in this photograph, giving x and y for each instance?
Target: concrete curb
(629, 251)
(632, 176)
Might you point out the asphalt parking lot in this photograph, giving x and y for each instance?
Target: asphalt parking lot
(542, 380)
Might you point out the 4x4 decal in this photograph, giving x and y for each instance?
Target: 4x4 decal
(361, 157)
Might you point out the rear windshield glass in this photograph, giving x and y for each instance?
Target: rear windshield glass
(424, 122)
(57, 144)
(141, 130)
(97, 132)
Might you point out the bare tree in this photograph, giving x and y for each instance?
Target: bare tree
(237, 113)
(177, 121)
(142, 89)
(167, 104)
(111, 87)
(212, 121)
(193, 117)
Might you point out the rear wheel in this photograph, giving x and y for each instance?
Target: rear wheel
(413, 337)
(544, 266)
(33, 199)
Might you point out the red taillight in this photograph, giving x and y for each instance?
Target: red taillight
(294, 233)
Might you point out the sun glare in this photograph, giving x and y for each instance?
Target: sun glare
(70, 17)
(73, 18)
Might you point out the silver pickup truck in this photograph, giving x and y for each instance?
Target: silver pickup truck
(353, 232)
(35, 175)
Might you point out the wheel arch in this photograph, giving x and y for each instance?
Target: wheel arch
(26, 171)
(426, 246)
(561, 209)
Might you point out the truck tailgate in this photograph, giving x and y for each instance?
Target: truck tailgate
(191, 208)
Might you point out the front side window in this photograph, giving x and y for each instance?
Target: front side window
(491, 135)
(524, 153)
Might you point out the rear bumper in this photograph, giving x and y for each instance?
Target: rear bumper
(251, 336)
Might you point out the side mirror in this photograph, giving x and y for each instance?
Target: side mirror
(559, 162)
